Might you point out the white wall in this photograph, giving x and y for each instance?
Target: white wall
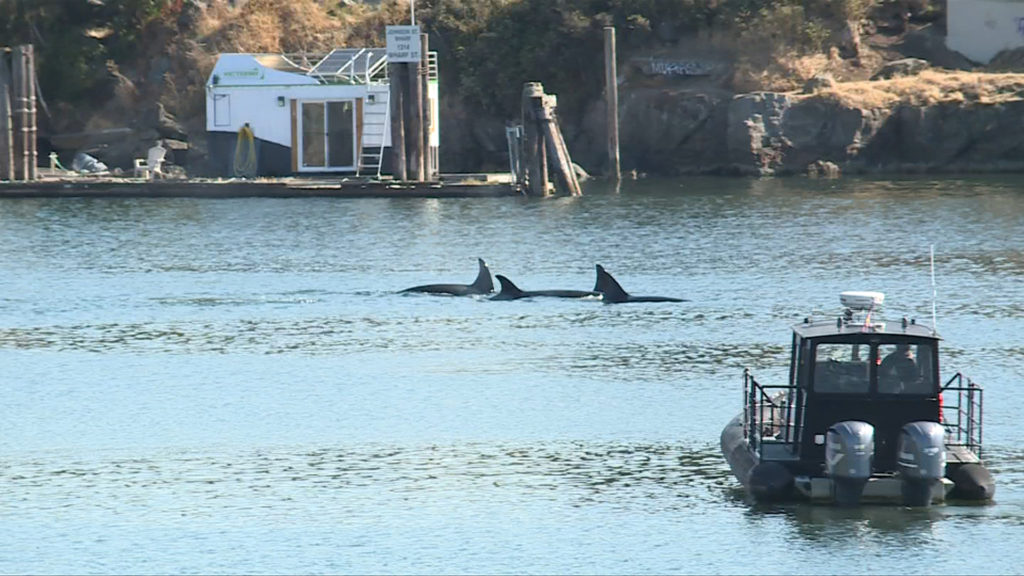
(230, 107)
(241, 90)
(979, 29)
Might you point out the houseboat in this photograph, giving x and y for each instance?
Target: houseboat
(302, 114)
(864, 417)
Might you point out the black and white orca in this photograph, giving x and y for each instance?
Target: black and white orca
(510, 291)
(612, 292)
(482, 285)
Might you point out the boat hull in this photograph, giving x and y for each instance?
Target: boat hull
(775, 481)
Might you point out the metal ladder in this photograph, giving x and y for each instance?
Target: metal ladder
(376, 124)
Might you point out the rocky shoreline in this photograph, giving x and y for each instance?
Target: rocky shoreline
(777, 134)
(880, 101)
(924, 109)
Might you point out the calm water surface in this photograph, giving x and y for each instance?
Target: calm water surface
(234, 386)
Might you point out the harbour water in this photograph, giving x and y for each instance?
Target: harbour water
(235, 386)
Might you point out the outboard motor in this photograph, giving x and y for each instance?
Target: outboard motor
(921, 461)
(849, 449)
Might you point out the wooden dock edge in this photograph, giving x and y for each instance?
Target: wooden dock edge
(458, 186)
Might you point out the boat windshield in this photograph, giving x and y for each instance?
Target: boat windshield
(896, 368)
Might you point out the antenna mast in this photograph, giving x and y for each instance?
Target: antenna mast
(935, 328)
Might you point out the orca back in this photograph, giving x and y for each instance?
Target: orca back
(509, 291)
(614, 294)
(482, 285)
(609, 288)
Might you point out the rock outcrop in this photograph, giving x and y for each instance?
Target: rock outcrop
(768, 133)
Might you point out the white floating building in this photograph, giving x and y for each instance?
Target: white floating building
(306, 113)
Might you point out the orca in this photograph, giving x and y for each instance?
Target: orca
(482, 285)
(612, 292)
(510, 291)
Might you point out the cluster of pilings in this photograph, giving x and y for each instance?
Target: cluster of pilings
(412, 156)
(537, 138)
(17, 113)
(540, 141)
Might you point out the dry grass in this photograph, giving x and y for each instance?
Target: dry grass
(273, 26)
(784, 74)
(929, 88)
(266, 26)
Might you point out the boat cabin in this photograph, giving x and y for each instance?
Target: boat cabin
(873, 372)
(864, 414)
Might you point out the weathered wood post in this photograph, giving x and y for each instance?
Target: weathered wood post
(534, 149)
(611, 84)
(396, 73)
(429, 161)
(414, 120)
(564, 173)
(19, 102)
(30, 92)
(6, 134)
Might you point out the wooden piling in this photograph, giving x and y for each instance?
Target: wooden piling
(396, 76)
(414, 121)
(534, 149)
(542, 139)
(32, 132)
(429, 152)
(555, 144)
(6, 135)
(611, 83)
(19, 102)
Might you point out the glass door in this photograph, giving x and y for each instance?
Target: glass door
(341, 134)
(328, 136)
(313, 145)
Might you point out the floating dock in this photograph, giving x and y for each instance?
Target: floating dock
(81, 186)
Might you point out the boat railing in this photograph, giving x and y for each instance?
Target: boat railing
(765, 415)
(962, 413)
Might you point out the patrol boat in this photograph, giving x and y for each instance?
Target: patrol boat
(863, 418)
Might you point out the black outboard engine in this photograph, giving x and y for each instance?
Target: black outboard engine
(921, 461)
(849, 449)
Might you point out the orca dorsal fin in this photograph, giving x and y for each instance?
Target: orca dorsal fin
(483, 282)
(508, 289)
(609, 288)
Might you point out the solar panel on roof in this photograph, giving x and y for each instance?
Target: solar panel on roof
(349, 61)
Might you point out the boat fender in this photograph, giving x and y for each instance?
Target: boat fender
(972, 482)
(921, 461)
(849, 451)
(770, 481)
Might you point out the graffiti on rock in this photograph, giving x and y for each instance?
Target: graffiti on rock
(666, 67)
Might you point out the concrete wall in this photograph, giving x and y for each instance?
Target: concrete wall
(979, 29)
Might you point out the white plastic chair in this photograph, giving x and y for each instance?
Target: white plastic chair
(151, 166)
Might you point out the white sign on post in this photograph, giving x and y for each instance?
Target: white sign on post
(404, 44)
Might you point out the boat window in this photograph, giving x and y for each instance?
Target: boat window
(841, 369)
(905, 369)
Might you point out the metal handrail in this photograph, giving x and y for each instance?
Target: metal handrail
(966, 407)
(766, 411)
(380, 66)
(351, 65)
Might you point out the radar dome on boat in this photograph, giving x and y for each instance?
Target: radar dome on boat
(855, 300)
